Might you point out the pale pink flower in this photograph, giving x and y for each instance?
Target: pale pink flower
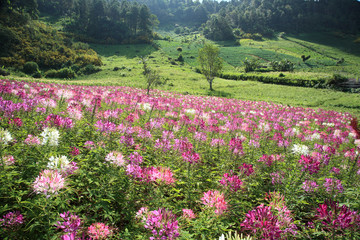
(32, 140)
(188, 213)
(49, 182)
(115, 158)
(7, 160)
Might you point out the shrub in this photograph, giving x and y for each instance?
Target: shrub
(3, 72)
(283, 65)
(66, 73)
(90, 69)
(52, 73)
(37, 74)
(251, 65)
(336, 79)
(30, 67)
(180, 58)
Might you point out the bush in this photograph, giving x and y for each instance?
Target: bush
(37, 74)
(62, 73)
(251, 65)
(283, 65)
(30, 67)
(180, 58)
(90, 69)
(52, 73)
(3, 72)
(336, 79)
(66, 73)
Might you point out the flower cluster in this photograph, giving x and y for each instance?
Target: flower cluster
(11, 220)
(5, 136)
(50, 137)
(231, 181)
(115, 158)
(99, 231)
(216, 200)
(70, 225)
(309, 164)
(163, 224)
(49, 182)
(7, 160)
(335, 217)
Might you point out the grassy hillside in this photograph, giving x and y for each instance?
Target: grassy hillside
(122, 67)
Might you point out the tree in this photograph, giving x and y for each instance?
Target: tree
(210, 62)
(152, 76)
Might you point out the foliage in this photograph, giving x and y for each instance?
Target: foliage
(30, 67)
(283, 65)
(251, 64)
(45, 46)
(64, 73)
(210, 62)
(152, 76)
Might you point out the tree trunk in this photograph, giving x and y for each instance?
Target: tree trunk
(211, 88)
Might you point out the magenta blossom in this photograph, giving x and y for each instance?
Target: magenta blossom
(12, 220)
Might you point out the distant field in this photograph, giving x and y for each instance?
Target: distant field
(184, 79)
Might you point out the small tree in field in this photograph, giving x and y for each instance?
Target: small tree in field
(152, 76)
(210, 62)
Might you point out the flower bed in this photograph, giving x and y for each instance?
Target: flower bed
(90, 162)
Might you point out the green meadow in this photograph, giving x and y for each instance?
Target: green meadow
(121, 66)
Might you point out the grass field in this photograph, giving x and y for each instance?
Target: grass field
(183, 78)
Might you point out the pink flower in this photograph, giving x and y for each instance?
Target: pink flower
(310, 164)
(75, 151)
(309, 186)
(32, 140)
(263, 223)
(332, 216)
(135, 158)
(216, 200)
(246, 169)
(163, 224)
(12, 220)
(7, 160)
(115, 158)
(333, 186)
(191, 157)
(49, 182)
(231, 181)
(188, 213)
(99, 231)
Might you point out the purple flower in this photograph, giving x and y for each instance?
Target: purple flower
(12, 220)
(71, 223)
(163, 224)
(333, 186)
(309, 186)
(332, 216)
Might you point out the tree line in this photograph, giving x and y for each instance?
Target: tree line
(111, 21)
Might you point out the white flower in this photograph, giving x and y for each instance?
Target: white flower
(222, 237)
(146, 106)
(300, 149)
(115, 158)
(50, 136)
(190, 111)
(59, 163)
(5, 136)
(315, 136)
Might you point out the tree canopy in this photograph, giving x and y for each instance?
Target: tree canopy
(210, 62)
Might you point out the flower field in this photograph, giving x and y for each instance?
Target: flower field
(91, 162)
